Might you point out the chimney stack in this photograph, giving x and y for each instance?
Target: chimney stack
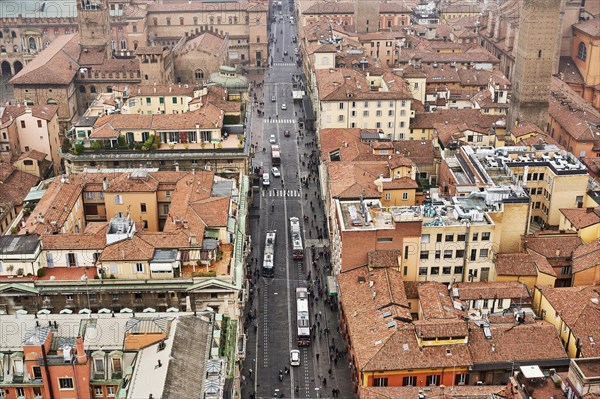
(81, 355)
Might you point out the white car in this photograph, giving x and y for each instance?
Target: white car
(275, 172)
(295, 357)
(266, 179)
(272, 139)
(283, 106)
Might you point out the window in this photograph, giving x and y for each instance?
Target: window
(388, 196)
(460, 379)
(143, 207)
(485, 236)
(405, 252)
(378, 113)
(582, 51)
(404, 196)
(385, 239)
(37, 372)
(39, 123)
(447, 254)
(380, 382)
(438, 254)
(475, 236)
(110, 391)
(461, 237)
(341, 105)
(139, 268)
(460, 253)
(433, 380)
(180, 20)
(98, 391)
(439, 238)
(168, 194)
(458, 270)
(23, 124)
(435, 271)
(65, 383)
(366, 104)
(168, 21)
(424, 255)
(409, 381)
(446, 270)
(365, 113)
(422, 271)
(449, 237)
(99, 365)
(20, 392)
(116, 365)
(483, 253)
(425, 239)
(2, 395)
(118, 199)
(340, 118)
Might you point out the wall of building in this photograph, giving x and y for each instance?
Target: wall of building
(446, 376)
(131, 204)
(588, 276)
(544, 308)
(511, 223)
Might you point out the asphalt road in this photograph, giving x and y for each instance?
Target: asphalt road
(271, 314)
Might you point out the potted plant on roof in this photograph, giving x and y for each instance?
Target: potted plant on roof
(20, 272)
(9, 269)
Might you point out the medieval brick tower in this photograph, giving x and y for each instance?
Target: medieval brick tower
(94, 23)
(534, 61)
(366, 16)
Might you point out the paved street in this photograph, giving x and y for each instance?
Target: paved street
(271, 311)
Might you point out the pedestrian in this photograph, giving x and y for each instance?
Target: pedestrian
(317, 357)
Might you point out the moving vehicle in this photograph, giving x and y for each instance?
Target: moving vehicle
(294, 357)
(275, 172)
(286, 133)
(275, 155)
(285, 52)
(266, 179)
(273, 98)
(302, 316)
(272, 139)
(283, 106)
(268, 267)
(297, 248)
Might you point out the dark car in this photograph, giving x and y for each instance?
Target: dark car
(286, 133)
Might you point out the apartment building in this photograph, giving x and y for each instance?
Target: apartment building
(585, 56)
(348, 99)
(573, 311)
(72, 356)
(584, 221)
(553, 178)
(529, 268)
(390, 14)
(27, 128)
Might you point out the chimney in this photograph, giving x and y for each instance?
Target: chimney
(81, 355)
(589, 210)
(557, 253)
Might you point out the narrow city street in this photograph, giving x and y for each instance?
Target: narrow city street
(271, 311)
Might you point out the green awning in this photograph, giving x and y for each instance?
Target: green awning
(211, 234)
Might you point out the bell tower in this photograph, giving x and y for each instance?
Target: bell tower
(534, 62)
(94, 23)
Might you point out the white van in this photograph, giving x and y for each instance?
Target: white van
(266, 179)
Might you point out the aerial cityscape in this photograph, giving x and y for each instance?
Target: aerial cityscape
(308, 199)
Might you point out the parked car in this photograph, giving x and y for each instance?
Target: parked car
(266, 179)
(275, 172)
(273, 98)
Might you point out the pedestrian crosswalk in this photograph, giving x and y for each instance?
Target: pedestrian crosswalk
(284, 64)
(275, 120)
(276, 192)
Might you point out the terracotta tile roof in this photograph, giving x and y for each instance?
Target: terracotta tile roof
(400, 160)
(438, 392)
(105, 132)
(542, 264)
(33, 154)
(401, 183)
(204, 7)
(579, 308)
(411, 289)
(593, 165)
(165, 240)
(343, 83)
(517, 343)
(493, 289)
(126, 182)
(11, 112)
(208, 42)
(325, 48)
(516, 264)
(125, 121)
(582, 217)
(163, 90)
(132, 249)
(440, 328)
(523, 129)
(553, 245)
(586, 256)
(435, 302)
(74, 241)
(471, 119)
(383, 258)
(14, 185)
(57, 64)
(364, 310)
(401, 351)
(346, 141)
(351, 180)
(213, 211)
(590, 27)
(421, 152)
(577, 117)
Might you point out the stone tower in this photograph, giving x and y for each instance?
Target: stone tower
(366, 16)
(534, 61)
(94, 23)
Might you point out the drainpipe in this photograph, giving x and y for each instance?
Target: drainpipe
(467, 236)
